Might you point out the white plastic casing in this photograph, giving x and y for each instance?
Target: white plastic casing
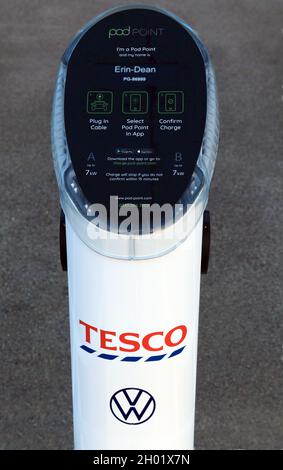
(153, 295)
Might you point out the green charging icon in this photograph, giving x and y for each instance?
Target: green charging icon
(171, 102)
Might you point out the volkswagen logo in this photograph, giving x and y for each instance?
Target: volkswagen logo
(132, 405)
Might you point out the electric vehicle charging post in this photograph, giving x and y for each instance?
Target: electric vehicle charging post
(134, 141)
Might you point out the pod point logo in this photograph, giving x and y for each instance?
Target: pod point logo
(132, 405)
(128, 31)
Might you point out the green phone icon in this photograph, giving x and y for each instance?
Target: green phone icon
(171, 102)
(135, 102)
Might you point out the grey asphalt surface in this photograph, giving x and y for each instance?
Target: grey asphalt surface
(239, 389)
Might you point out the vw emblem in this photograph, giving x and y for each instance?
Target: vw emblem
(132, 405)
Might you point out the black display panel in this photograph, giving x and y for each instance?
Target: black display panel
(135, 108)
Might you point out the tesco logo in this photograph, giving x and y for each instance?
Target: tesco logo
(131, 342)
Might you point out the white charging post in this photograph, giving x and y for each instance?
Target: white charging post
(134, 140)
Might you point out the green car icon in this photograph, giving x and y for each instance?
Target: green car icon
(99, 102)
